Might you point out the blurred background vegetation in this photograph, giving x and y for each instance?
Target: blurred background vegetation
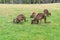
(28, 1)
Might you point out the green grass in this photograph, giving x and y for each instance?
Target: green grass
(26, 30)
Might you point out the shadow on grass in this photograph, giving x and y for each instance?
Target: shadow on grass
(19, 23)
(48, 22)
(42, 23)
(16, 23)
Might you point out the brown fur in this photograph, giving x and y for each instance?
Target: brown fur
(33, 15)
(46, 12)
(38, 17)
(19, 18)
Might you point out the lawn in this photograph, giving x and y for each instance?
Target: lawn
(26, 30)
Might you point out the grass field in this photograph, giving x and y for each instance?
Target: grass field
(26, 30)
